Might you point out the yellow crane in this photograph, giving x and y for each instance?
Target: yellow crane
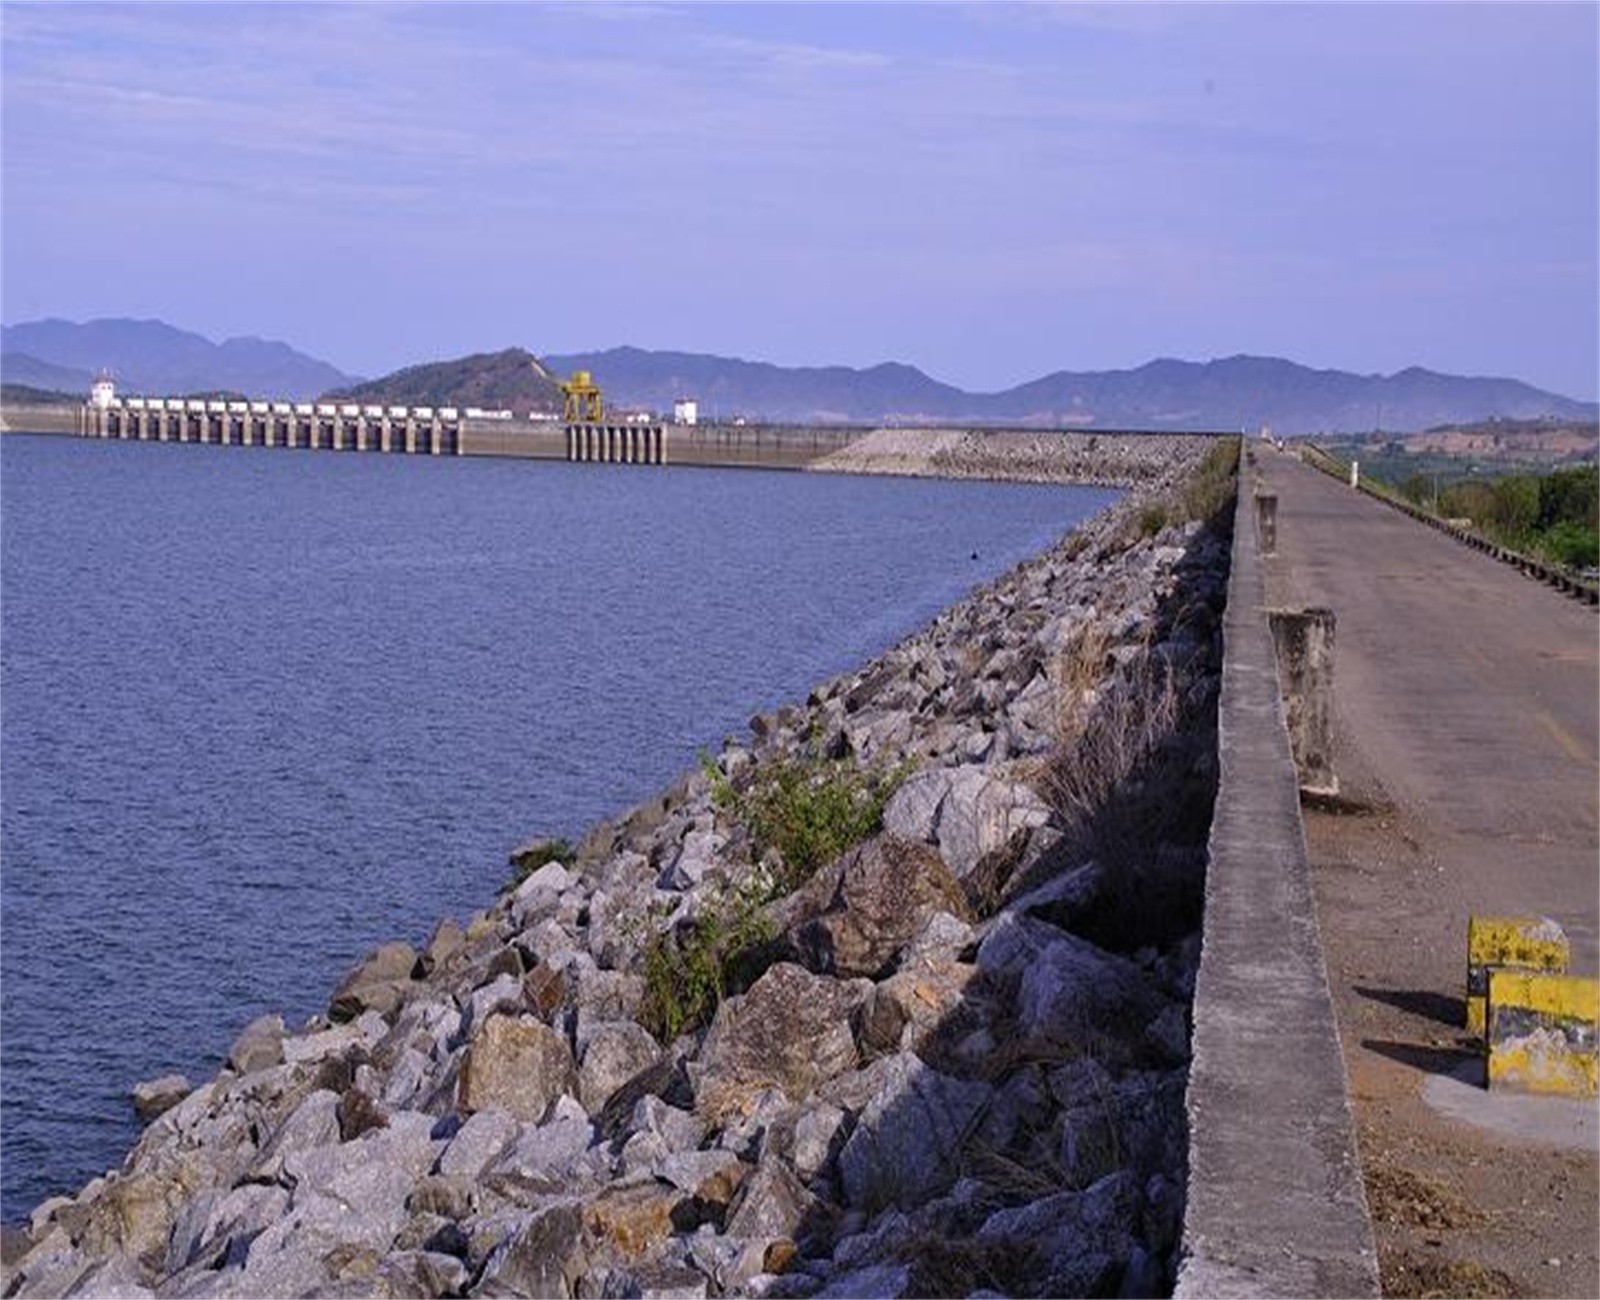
(584, 405)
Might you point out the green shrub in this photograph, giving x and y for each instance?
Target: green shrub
(689, 970)
(526, 861)
(1211, 489)
(1571, 544)
(810, 810)
(1152, 519)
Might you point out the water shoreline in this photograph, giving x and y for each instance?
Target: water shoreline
(1017, 701)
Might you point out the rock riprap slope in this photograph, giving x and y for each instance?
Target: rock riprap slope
(891, 998)
(1108, 459)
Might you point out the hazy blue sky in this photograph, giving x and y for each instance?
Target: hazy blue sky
(989, 192)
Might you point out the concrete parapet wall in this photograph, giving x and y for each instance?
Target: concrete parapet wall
(1276, 1205)
(39, 419)
(508, 438)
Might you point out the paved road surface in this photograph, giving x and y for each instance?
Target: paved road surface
(1466, 711)
(1471, 692)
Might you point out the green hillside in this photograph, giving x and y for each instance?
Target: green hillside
(512, 380)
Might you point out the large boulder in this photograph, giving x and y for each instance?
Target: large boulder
(854, 918)
(378, 983)
(259, 1046)
(906, 1146)
(791, 1031)
(516, 1064)
(613, 1052)
(155, 1097)
(1072, 1243)
(982, 813)
(1072, 987)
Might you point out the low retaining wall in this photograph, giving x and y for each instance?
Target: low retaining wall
(1276, 1205)
(39, 419)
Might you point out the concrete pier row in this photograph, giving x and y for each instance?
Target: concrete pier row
(621, 444)
(303, 426)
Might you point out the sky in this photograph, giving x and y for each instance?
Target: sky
(990, 192)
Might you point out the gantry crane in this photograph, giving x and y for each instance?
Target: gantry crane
(583, 405)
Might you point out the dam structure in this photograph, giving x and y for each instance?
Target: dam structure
(328, 426)
(444, 431)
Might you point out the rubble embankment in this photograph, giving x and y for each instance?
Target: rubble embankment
(684, 1059)
(1096, 459)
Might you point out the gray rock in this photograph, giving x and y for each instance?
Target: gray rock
(445, 942)
(155, 1097)
(215, 1223)
(518, 1065)
(422, 1273)
(710, 1176)
(772, 1203)
(545, 1152)
(982, 813)
(478, 1142)
(695, 860)
(912, 812)
(942, 938)
(678, 1129)
(906, 1145)
(551, 878)
(115, 1277)
(875, 1282)
(613, 1053)
(543, 1257)
(742, 1055)
(377, 983)
(854, 918)
(818, 1137)
(1072, 986)
(258, 1047)
(314, 1123)
(503, 993)
(1072, 1243)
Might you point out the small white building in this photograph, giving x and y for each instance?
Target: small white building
(103, 392)
(685, 410)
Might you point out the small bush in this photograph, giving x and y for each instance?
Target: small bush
(526, 861)
(1152, 519)
(1211, 490)
(810, 810)
(687, 972)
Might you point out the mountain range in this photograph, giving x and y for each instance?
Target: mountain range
(1233, 393)
(150, 356)
(1242, 392)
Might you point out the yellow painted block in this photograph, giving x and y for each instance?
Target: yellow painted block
(1542, 1032)
(1519, 942)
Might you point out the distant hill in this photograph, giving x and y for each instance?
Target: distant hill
(1493, 445)
(1238, 392)
(26, 395)
(150, 356)
(726, 387)
(19, 368)
(513, 380)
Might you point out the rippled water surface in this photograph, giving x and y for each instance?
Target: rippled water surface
(261, 711)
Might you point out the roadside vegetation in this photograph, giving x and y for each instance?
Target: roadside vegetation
(1554, 516)
(796, 815)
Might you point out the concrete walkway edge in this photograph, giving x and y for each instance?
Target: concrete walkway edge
(1276, 1205)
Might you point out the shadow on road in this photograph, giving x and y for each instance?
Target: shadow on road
(1445, 1009)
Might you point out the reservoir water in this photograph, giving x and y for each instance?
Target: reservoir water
(262, 711)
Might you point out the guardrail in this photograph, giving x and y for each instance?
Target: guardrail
(1549, 574)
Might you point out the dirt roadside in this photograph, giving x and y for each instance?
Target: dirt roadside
(1458, 1209)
